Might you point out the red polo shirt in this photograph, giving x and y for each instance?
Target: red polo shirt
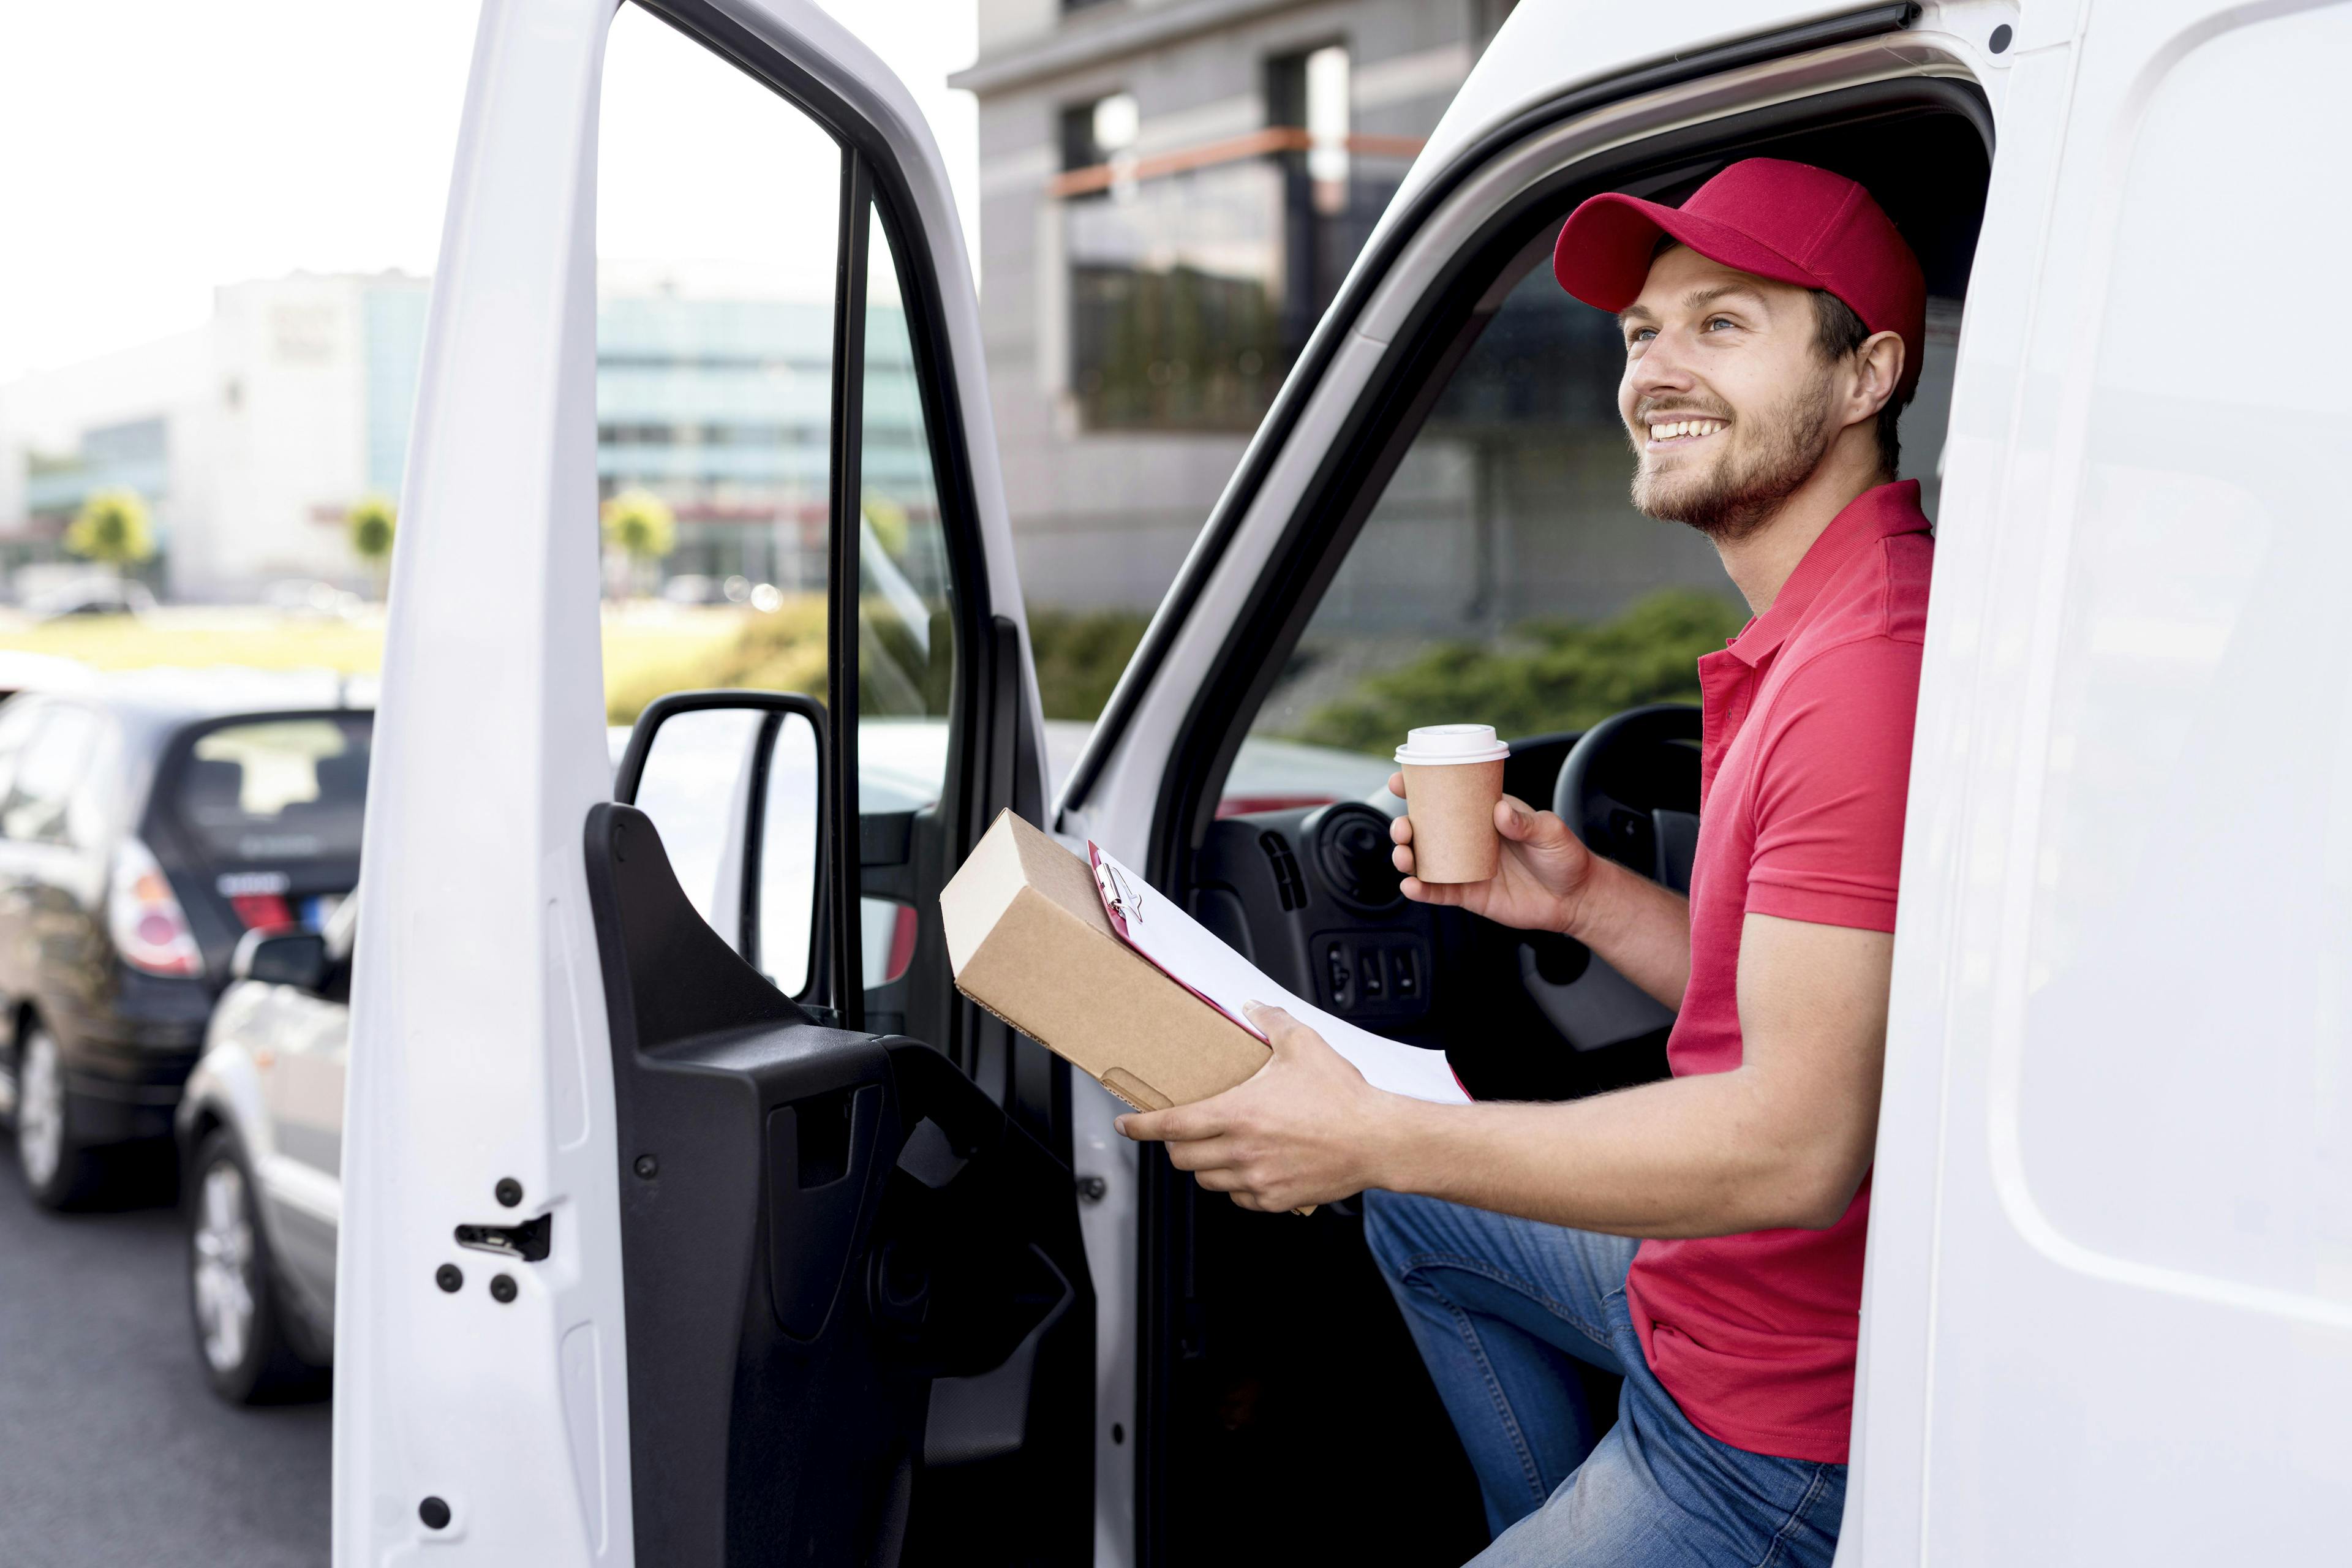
(1805, 761)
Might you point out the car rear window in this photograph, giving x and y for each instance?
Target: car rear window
(276, 790)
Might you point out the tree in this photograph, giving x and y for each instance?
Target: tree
(640, 525)
(371, 521)
(112, 528)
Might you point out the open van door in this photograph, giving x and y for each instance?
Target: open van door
(690, 1216)
(2108, 1315)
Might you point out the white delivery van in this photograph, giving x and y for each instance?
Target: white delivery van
(679, 1231)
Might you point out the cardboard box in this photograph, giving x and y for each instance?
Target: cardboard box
(1029, 942)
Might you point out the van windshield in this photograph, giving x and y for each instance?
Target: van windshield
(278, 790)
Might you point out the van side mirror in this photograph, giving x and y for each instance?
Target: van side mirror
(733, 783)
(296, 958)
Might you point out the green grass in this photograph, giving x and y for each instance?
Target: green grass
(648, 650)
(1549, 676)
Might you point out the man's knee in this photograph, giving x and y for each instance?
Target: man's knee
(1402, 1226)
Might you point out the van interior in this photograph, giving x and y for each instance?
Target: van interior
(1284, 1415)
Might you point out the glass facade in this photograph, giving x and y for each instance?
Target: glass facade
(135, 454)
(392, 330)
(1176, 293)
(720, 407)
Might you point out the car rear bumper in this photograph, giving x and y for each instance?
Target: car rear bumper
(108, 1110)
(125, 1070)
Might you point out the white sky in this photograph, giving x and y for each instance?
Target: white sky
(152, 149)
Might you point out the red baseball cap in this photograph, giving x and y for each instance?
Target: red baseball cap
(1790, 222)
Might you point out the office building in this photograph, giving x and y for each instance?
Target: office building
(251, 437)
(1169, 195)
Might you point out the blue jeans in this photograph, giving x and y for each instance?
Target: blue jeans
(1498, 1306)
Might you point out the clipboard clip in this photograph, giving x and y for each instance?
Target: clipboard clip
(1121, 897)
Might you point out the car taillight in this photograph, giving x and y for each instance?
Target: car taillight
(149, 929)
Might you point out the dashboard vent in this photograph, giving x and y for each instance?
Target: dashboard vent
(1286, 880)
(1351, 847)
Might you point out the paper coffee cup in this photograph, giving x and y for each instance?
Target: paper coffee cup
(1452, 777)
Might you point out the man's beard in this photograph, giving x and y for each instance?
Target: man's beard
(1737, 495)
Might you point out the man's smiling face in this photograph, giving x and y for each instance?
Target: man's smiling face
(1726, 398)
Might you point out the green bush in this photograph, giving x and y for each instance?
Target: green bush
(1079, 657)
(1080, 654)
(1550, 676)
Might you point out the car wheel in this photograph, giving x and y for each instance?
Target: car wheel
(58, 1170)
(239, 1323)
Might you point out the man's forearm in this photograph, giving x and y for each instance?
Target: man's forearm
(1641, 928)
(1685, 1157)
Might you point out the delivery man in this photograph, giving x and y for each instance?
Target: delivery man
(1702, 1236)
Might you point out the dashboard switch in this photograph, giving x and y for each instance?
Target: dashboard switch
(1404, 974)
(1335, 973)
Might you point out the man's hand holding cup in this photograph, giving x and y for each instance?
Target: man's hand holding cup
(1465, 842)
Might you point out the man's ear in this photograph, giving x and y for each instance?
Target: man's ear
(1878, 364)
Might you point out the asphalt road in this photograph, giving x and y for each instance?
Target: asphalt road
(113, 1448)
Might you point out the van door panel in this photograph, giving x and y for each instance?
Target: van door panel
(528, 1006)
(2125, 910)
(475, 994)
(820, 1223)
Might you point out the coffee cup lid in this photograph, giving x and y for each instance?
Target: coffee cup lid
(1437, 745)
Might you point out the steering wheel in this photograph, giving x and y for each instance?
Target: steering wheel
(1629, 788)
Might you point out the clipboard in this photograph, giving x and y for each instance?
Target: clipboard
(1160, 930)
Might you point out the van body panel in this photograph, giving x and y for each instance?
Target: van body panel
(1543, 49)
(1888, 1485)
(2107, 1317)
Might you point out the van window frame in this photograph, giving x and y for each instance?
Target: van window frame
(1323, 526)
(989, 755)
(1439, 331)
(1390, 242)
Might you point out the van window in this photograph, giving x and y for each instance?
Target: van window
(718, 235)
(1504, 575)
(279, 789)
(906, 621)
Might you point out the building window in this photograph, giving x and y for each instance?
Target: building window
(1095, 133)
(1308, 93)
(134, 455)
(1196, 273)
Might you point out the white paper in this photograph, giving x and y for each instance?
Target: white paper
(1190, 953)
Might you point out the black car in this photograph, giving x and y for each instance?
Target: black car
(146, 825)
